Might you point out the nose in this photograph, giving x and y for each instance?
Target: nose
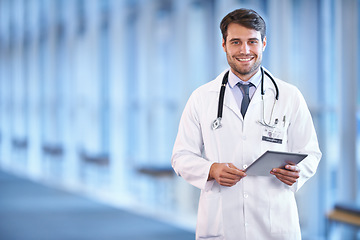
(244, 48)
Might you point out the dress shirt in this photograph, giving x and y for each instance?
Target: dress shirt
(234, 80)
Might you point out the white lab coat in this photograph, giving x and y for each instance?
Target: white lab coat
(256, 207)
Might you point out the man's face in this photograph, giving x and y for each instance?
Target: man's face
(243, 49)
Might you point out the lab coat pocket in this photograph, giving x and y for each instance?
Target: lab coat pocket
(210, 219)
(283, 211)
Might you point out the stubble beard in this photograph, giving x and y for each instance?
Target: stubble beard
(243, 72)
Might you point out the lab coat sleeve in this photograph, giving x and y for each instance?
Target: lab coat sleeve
(303, 139)
(187, 158)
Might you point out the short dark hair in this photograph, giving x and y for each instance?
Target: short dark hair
(245, 17)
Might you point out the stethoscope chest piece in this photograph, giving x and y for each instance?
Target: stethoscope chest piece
(216, 123)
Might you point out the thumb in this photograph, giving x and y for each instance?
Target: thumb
(230, 165)
(239, 171)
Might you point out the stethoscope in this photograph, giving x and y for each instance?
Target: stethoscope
(217, 122)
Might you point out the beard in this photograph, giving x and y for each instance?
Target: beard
(243, 70)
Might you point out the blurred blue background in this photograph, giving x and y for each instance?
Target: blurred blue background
(91, 93)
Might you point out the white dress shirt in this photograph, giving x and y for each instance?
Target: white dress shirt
(234, 80)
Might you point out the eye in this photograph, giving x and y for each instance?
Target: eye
(235, 42)
(253, 42)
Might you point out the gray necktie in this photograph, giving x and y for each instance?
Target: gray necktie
(246, 99)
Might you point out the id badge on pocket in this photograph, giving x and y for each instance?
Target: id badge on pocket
(273, 135)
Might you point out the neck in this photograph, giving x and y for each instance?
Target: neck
(245, 77)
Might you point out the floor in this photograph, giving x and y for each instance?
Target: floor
(31, 211)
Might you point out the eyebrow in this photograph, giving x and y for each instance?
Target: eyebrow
(250, 39)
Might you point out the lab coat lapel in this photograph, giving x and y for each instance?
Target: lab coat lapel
(230, 102)
(229, 99)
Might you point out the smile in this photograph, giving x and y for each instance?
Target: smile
(244, 59)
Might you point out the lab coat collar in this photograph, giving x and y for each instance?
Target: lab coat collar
(269, 89)
(216, 84)
(268, 85)
(229, 100)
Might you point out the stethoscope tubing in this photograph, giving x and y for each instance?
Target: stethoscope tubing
(273, 81)
(217, 123)
(222, 94)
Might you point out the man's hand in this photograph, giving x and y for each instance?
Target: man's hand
(226, 174)
(289, 175)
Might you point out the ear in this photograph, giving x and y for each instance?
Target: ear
(264, 43)
(224, 45)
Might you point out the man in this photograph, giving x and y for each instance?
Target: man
(214, 156)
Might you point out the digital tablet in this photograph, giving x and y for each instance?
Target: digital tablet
(272, 159)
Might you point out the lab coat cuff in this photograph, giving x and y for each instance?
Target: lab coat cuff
(209, 183)
(300, 182)
(294, 187)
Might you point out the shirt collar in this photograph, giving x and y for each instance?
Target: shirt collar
(233, 79)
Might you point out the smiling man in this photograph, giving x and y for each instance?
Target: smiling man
(243, 47)
(213, 155)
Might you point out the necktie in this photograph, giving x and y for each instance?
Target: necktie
(246, 99)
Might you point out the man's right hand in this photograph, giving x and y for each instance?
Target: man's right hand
(226, 174)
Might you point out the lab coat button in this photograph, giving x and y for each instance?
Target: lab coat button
(245, 166)
(246, 224)
(246, 195)
(244, 137)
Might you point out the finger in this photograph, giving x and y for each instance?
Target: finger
(227, 172)
(227, 182)
(294, 168)
(288, 178)
(230, 165)
(229, 178)
(237, 173)
(234, 170)
(286, 182)
(285, 179)
(286, 172)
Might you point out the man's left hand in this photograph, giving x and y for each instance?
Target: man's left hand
(289, 175)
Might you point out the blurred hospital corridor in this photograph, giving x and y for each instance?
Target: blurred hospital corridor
(92, 92)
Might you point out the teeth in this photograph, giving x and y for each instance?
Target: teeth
(244, 59)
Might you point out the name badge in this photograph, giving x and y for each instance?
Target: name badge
(273, 135)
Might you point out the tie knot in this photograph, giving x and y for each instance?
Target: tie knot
(246, 99)
(245, 88)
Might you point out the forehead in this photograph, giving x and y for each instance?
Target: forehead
(237, 31)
